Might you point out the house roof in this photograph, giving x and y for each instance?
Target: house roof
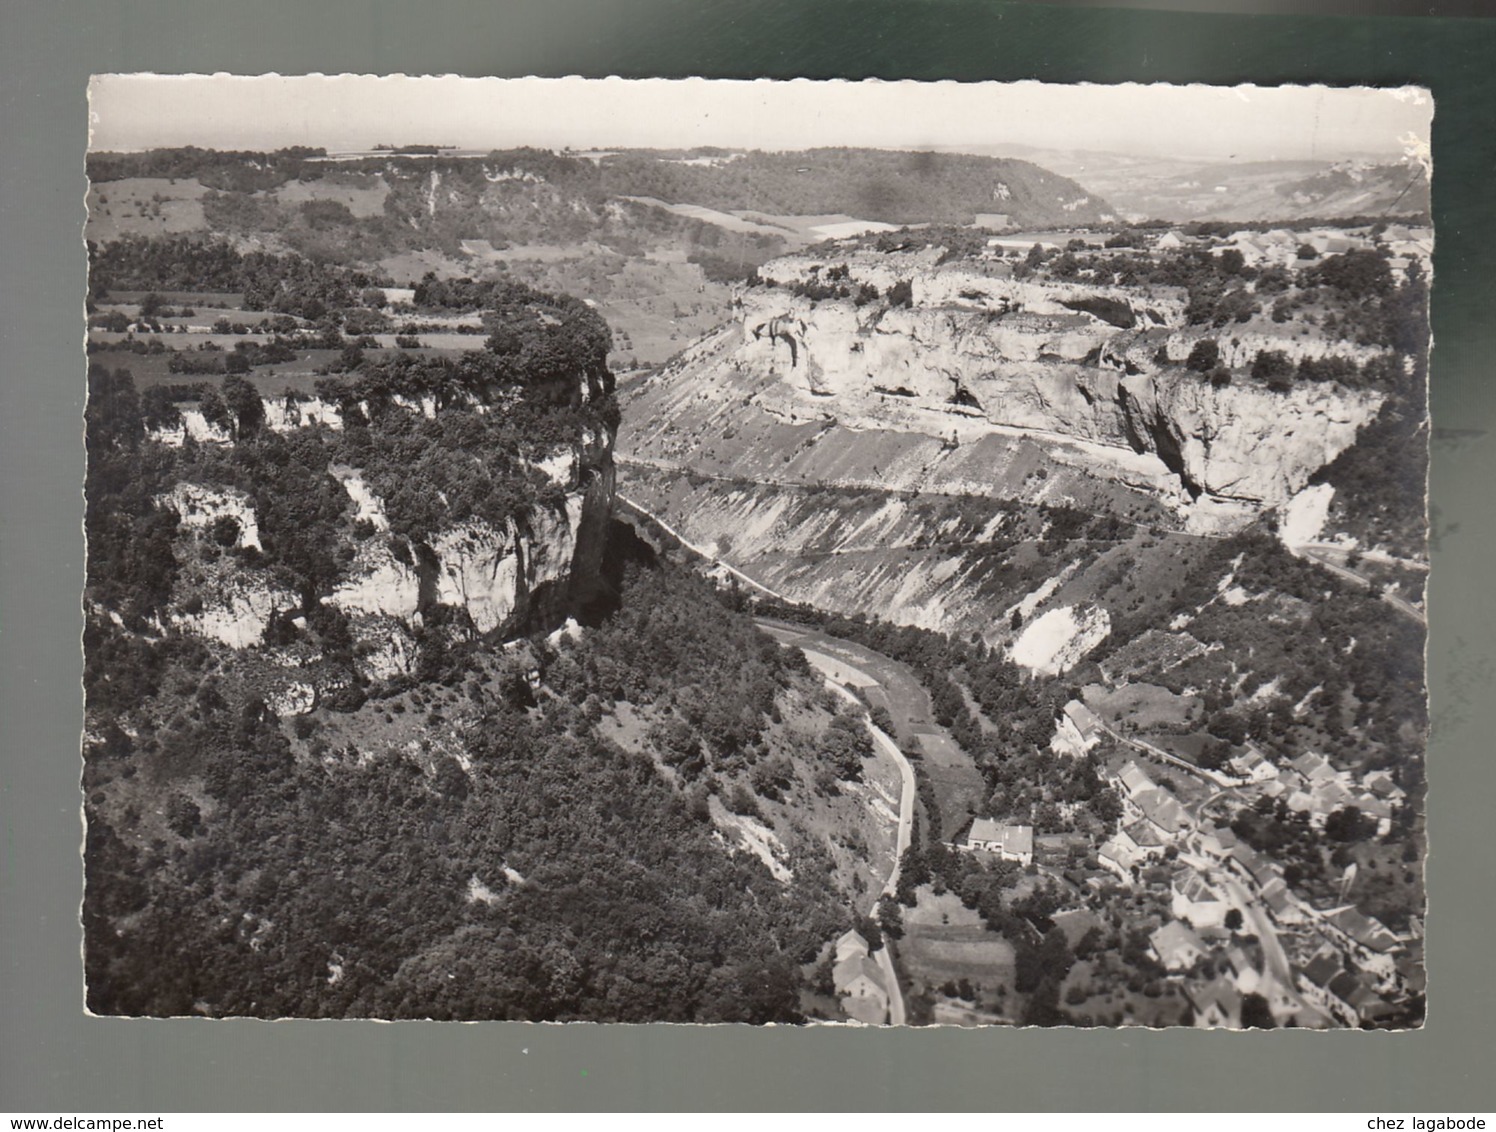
(1312, 766)
(847, 972)
(1250, 759)
(1083, 717)
(1368, 932)
(1016, 839)
(985, 829)
(1330, 795)
(1382, 786)
(1117, 849)
(852, 938)
(1239, 960)
(1193, 887)
(1275, 896)
(1218, 993)
(1162, 809)
(1134, 780)
(1143, 835)
(1322, 969)
(1176, 939)
(1346, 987)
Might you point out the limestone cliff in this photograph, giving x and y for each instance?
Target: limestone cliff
(529, 572)
(1094, 367)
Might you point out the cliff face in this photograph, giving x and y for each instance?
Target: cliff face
(528, 572)
(994, 451)
(1067, 364)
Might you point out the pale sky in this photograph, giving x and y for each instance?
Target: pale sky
(355, 112)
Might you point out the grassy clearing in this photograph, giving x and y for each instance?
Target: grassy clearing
(1143, 707)
(363, 195)
(944, 941)
(146, 206)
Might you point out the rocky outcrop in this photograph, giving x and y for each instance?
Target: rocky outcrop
(1061, 638)
(233, 610)
(529, 572)
(974, 355)
(199, 507)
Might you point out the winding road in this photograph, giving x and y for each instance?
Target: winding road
(1334, 560)
(821, 652)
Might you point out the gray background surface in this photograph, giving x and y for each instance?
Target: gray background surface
(53, 1058)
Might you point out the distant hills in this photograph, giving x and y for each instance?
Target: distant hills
(890, 186)
(1159, 188)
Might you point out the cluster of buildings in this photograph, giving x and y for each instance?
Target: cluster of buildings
(1344, 963)
(1328, 963)
(1152, 820)
(1309, 784)
(1279, 247)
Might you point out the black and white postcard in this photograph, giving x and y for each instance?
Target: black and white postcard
(749, 552)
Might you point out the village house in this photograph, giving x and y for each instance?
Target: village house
(1216, 842)
(1243, 969)
(858, 981)
(1010, 842)
(1058, 849)
(1280, 902)
(850, 944)
(1331, 243)
(1339, 993)
(1253, 866)
(1314, 768)
(1216, 1004)
(1379, 783)
(1176, 946)
(1132, 845)
(1162, 811)
(1193, 900)
(1374, 807)
(1313, 980)
(1252, 766)
(1369, 943)
(1133, 781)
(1116, 856)
(1076, 731)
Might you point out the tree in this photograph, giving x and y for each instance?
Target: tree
(243, 401)
(901, 294)
(1233, 919)
(1256, 1014)
(1349, 824)
(1270, 364)
(1358, 274)
(1204, 356)
(891, 917)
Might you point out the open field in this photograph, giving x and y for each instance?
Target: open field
(940, 750)
(1142, 707)
(148, 206)
(362, 194)
(946, 941)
